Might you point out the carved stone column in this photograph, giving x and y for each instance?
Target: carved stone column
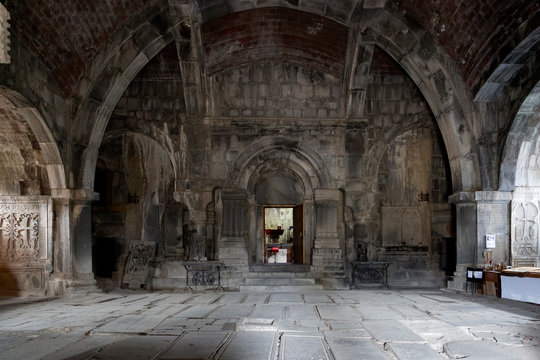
(327, 259)
(62, 277)
(81, 236)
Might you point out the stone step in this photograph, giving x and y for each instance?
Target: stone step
(228, 251)
(280, 288)
(284, 275)
(289, 268)
(234, 262)
(279, 281)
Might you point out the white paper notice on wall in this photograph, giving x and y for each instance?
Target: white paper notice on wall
(490, 241)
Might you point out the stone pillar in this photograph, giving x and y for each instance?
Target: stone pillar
(62, 276)
(81, 236)
(478, 214)
(466, 232)
(327, 259)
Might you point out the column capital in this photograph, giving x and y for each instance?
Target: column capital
(84, 195)
(462, 197)
(493, 196)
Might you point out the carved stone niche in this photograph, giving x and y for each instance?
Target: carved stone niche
(25, 243)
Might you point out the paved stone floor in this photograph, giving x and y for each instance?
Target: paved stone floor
(359, 324)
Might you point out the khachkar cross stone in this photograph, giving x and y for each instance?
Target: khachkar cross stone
(19, 237)
(526, 230)
(4, 36)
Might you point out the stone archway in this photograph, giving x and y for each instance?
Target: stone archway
(439, 82)
(33, 189)
(135, 178)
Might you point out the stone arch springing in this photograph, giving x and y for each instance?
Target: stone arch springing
(17, 106)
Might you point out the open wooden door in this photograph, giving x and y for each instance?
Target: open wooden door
(298, 234)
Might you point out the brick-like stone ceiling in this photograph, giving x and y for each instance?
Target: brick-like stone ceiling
(66, 34)
(275, 34)
(473, 32)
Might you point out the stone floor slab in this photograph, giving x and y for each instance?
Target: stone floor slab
(390, 330)
(295, 298)
(135, 348)
(481, 350)
(196, 311)
(249, 345)
(351, 348)
(195, 345)
(294, 347)
(148, 325)
(231, 312)
(131, 324)
(338, 312)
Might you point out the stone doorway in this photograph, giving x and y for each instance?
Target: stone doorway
(283, 230)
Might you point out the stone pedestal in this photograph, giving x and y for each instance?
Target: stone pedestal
(327, 255)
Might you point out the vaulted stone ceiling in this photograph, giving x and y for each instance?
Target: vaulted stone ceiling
(67, 35)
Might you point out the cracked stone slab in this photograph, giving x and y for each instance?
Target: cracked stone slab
(390, 330)
(131, 324)
(194, 345)
(136, 348)
(84, 348)
(405, 351)
(377, 312)
(196, 311)
(256, 345)
(481, 350)
(338, 312)
(351, 348)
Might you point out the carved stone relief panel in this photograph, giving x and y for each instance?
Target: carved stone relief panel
(234, 214)
(525, 226)
(141, 254)
(402, 225)
(23, 230)
(25, 235)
